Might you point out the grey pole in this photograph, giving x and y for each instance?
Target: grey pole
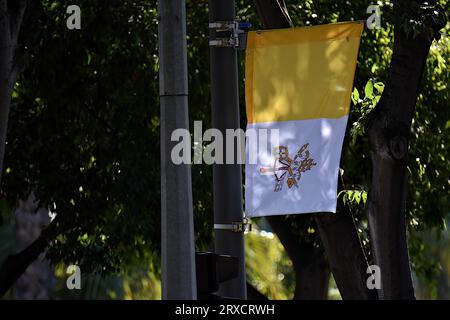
(227, 177)
(177, 228)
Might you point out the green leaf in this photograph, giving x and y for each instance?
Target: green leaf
(364, 196)
(89, 58)
(357, 197)
(355, 96)
(379, 86)
(374, 68)
(447, 125)
(377, 99)
(368, 90)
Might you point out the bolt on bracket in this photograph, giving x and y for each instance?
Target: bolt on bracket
(237, 38)
(244, 226)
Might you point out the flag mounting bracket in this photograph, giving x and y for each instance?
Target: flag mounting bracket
(237, 38)
(243, 226)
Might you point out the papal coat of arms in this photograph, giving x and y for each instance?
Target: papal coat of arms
(287, 169)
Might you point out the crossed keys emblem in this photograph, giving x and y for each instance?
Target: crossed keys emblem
(287, 169)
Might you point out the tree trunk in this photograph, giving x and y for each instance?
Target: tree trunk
(345, 253)
(310, 266)
(388, 132)
(11, 15)
(338, 232)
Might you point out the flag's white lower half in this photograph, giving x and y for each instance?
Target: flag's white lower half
(293, 179)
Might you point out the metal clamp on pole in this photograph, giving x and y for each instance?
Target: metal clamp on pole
(244, 226)
(237, 38)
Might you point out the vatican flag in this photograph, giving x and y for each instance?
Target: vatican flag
(298, 84)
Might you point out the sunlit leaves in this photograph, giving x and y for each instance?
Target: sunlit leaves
(368, 90)
(355, 96)
(372, 94)
(354, 197)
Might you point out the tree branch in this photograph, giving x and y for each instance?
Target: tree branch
(254, 294)
(273, 14)
(15, 265)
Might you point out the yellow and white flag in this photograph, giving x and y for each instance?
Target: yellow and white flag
(298, 81)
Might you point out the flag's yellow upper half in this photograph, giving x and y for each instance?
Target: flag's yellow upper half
(301, 73)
